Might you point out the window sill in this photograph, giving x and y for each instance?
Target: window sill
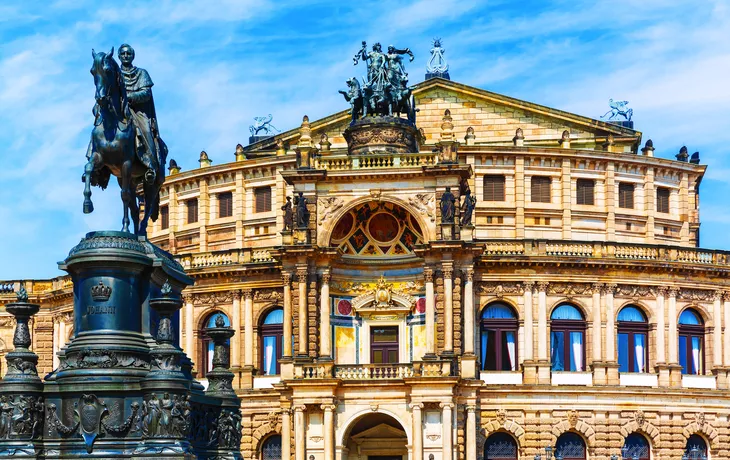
(501, 377)
(266, 381)
(571, 378)
(635, 379)
(706, 382)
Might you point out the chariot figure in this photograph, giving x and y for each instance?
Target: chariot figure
(376, 64)
(151, 150)
(396, 69)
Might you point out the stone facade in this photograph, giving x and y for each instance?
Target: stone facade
(348, 276)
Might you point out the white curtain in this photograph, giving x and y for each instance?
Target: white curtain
(639, 346)
(576, 342)
(511, 349)
(485, 338)
(269, 349)
(210, 356)
(695, 355)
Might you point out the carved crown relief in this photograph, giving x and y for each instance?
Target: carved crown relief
(383, 299)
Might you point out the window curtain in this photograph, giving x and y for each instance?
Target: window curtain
(695, 355)
(576, 344)
(269, 353)
(484, 350)
(510, 337)
(211, 348)
(639, 347)
(556, 339)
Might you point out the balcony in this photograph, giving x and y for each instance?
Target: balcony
(360, 372)
(345, 162)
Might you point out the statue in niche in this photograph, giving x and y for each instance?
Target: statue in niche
(467, 208)
(302, 211)
(288, 215)
(448, 205)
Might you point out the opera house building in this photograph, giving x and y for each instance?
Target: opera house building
(486, 279)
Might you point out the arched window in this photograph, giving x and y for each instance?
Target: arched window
(271, 448)
(207, 345)
(499, 338)
(635, 447)
(691, 342)
(570, 446)
(633, 350)
(567, 339)
(500, 446)
(270, 341)
(696, 448)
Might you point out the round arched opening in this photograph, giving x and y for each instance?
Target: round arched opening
(376, 435)
(377, 230)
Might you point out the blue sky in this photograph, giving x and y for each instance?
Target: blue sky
(216, 65)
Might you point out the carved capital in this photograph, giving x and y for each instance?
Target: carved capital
(328, 407)
(236, 293)
(446, 405)
(300, 408)
(302, 275)
(673, 292)
(726, 296)
(528, 286)
(596, 288)
(471, 408)
(286, 278)
(247, 293)
(188, 297)
(717, 296)
(661, 291)
(609, 288)
(469, 275)
(417, 406)
(326, 278)
(542, 286)
(448, 272)
(428, 275)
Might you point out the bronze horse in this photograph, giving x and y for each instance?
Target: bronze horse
(112, 148)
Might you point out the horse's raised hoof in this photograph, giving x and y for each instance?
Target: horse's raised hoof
(88, 207)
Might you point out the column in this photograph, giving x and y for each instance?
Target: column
(417, 431)
(448, 308)
(672, 314)
(446, 430)
(299, 433)
(189, 334)
(248, 327)
(542, 352)
(325, 331)
(471, 432)
(469, 312)
(285, 434)
(610, 324)
(528, 353)
(236, 324)
(726, 307)
(716, 330)
(430, 312)
(286, 347)
(62, 331)
(661, 354)
(596, 307)
(302, 280)
(56, 340)
(329, 431)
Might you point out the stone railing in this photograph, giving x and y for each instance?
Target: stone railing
(375, 161)
(224, 257)
(603, 250)
(398, 371)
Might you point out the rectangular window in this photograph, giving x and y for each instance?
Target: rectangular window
(262, 198)
(225, 204)
(384, 345)
(584, 190)
(165, 217)
(662, 199)
(493, 188)
(626, 196)
(540, 189)
(192, 206)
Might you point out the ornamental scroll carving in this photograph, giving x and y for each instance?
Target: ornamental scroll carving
(271, 295)
(499, 289)
(634, 291)
(570, 290)
(424, 203)
(329, 207)
(214, 298)
(698, 295)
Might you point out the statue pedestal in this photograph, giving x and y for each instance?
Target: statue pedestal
(447, 231)
(301, 236)
(381, 134)
(286, 237)
(467, 233)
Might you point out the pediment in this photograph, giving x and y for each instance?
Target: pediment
(494, 118)
(382, 431)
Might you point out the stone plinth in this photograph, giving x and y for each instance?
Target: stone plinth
(382, 134)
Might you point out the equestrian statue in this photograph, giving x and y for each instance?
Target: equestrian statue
(125, 140)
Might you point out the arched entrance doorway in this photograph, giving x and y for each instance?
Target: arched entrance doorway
(375, 436)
